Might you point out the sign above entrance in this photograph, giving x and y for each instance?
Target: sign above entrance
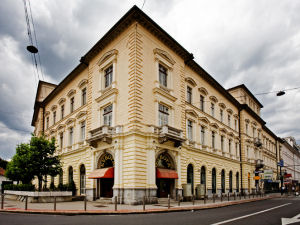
(165, 173)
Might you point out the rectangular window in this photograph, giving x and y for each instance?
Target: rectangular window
(107, 115)
(62, 111)
(190, 130)
(202, 102)
(163, 75)
(82, 131)
(189, 94)
(246, 128)
(202, 135)
(47, 122)
(83, 96)
(213, 136)
(61, 140)
(71, 104)
(108, 73)
(229, 120)
(212, 109)
(222, 143)
(54, 117)
(235, 124)
(254, 132)
(229, 146)
(163, 115)
(71, 136)
(221, 115)
(236, 149)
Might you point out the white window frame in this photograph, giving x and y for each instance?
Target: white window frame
(163, 116)
(71, 136)
(82, 130)
(108, 115)
(190, 130)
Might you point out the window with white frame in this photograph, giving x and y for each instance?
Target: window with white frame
(202, 138)
(72, 104)
(212, 109)
(229, 146)
(107, 115)
(71, 136)
(83, 96)
(108, 76)
(82, 130)
(62, 111)
(163, 75)
(202, 103)
(54, 117)
(163, 115)
(189, 94)
(222, 143)
(213, 137)
(61, 140)
(221, 115)
(190, 129)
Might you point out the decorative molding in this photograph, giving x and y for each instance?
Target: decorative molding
(71, 92)
(191, 112)
(164, 94)
(164, 55)
(82, 83)
(109, 92)
(204, 119)
(203, 91)
(69, 121)
(80, 114)
(191, 81)
(112, 54)
(213, 98)
(54, 107)
(222, 105)
(229, 111)
(61, 101)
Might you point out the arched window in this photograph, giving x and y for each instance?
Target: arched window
(230, 181)
(237, 182)
(106, 161)
(70, 174)
(190, 176)
(203, 175)
(223, 181)
(164, 161)
(213, 180)
(61, 177)
(82, 179)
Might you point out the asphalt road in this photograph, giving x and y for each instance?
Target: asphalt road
(266, 212)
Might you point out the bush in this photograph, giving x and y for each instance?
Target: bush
(52, 187)
(62, 187)
(19, 187)
(72, 187)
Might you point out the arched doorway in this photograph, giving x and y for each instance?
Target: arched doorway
(82, 180)
(165, 175)
(230, 181)
(213, 181)
(105, 183)
(223, 181)
(237, 182)
(190, 177)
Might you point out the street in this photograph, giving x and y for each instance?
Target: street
(260, 212)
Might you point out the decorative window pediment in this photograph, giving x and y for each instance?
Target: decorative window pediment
(61, 101)
(82, 83)
(54, 107)
(222, 105)
(213, 98)
(230, 134)
(247, 121)
(236, 116)
(69, 121)
(203, 91)
(163, 54)
(61, 126)
(214, 125)
(204, 119)
(223, 130)
(80, 114)
(107, 57)
(191, 81)
(71, 92)
(229, 111)
(191, 112)
(254, 123)
(47, 113)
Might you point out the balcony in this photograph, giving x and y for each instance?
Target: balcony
(257, 142)
(100, 134)
(259, 163)
(167, 133)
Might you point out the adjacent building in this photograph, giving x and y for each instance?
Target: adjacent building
(139, 117)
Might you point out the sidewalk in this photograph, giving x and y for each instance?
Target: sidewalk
(77, 207)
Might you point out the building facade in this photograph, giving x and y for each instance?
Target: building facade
(139, 117)
(290, 154)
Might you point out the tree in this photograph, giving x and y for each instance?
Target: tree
(3, 163)
(34, 159)
(20, 167)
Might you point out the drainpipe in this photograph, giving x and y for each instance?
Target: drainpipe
(43, 120)
(240, 136)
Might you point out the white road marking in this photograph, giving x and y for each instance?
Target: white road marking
(294, 219)
(252, 214)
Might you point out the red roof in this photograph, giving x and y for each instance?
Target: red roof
(2, 171)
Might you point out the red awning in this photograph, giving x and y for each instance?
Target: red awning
(287, 175)
(165, 173)
(102, 173)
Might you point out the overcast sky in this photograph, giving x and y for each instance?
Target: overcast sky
(238, 41)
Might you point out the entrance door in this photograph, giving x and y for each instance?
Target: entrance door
(164, 187)
(106, 187)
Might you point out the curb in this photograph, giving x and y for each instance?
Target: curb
(124, 212)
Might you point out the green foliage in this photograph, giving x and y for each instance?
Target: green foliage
(3, 163)
(52, 187)
(19, 187)
(72, 187)
(34, 159)
(62, 187)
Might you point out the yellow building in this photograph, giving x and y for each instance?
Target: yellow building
(139, 117)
